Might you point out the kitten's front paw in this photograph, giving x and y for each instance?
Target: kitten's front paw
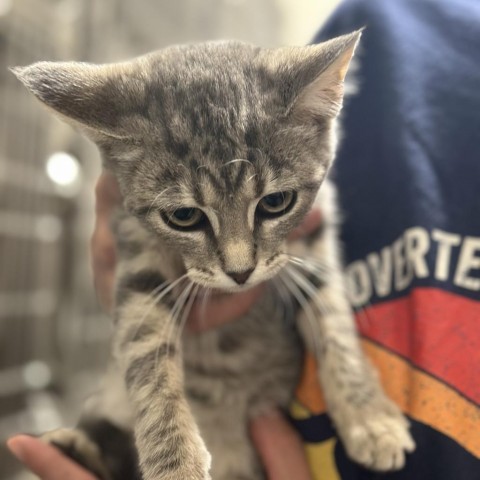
(377, 437)
(76, 445)
(195, 464)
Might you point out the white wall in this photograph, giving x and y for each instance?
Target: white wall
(150, 24)
(302, 18)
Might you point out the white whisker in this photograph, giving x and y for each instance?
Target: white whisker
(157, 197)
(304, 304)
(153, 298)
(310, 264)
(288, 308)
(171, 325)
(203, 306)
(236, 160)
(177, 309)
(200, 166)
(310, 289)
(187, 310)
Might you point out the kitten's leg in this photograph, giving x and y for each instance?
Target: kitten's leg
(371, 427)
(149, 366)
(147, 348)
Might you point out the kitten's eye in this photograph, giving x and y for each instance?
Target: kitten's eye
(185, 218)
(276, 204)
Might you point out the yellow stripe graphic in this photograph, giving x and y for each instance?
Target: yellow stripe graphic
(322, 460)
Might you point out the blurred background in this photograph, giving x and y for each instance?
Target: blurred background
(53, 336)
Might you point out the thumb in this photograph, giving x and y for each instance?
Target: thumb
(45, 460)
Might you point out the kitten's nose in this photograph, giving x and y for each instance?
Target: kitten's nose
(241, 277)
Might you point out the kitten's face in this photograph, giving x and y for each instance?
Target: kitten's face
(229, 224)
(227, 202)
(219, 148)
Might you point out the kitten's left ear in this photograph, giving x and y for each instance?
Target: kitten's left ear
(96, 98)
(312, 77)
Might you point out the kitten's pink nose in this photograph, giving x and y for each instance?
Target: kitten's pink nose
(241, 277)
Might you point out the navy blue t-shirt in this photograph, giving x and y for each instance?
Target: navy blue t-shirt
(408, 173)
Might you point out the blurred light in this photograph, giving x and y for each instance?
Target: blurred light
(5, 7)
(63, 169)
(37, 375)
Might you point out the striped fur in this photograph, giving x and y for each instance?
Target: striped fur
(218, 127)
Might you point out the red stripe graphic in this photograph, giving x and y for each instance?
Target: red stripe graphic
(438, 331)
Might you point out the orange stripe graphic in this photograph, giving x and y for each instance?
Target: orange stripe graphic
(421, 396)
(437, 330)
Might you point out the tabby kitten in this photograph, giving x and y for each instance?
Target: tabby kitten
(219, 150)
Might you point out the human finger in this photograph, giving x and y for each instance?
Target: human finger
(311, 222)
(103, 257)
(45, 460)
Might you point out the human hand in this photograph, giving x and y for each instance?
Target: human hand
(278, 444)
(45, 460)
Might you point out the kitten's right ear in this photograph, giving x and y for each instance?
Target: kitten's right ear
(95, 97)
(311, 78)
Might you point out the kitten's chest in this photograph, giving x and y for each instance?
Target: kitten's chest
(256, 356)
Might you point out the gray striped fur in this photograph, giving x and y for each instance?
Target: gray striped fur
(216, 127)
